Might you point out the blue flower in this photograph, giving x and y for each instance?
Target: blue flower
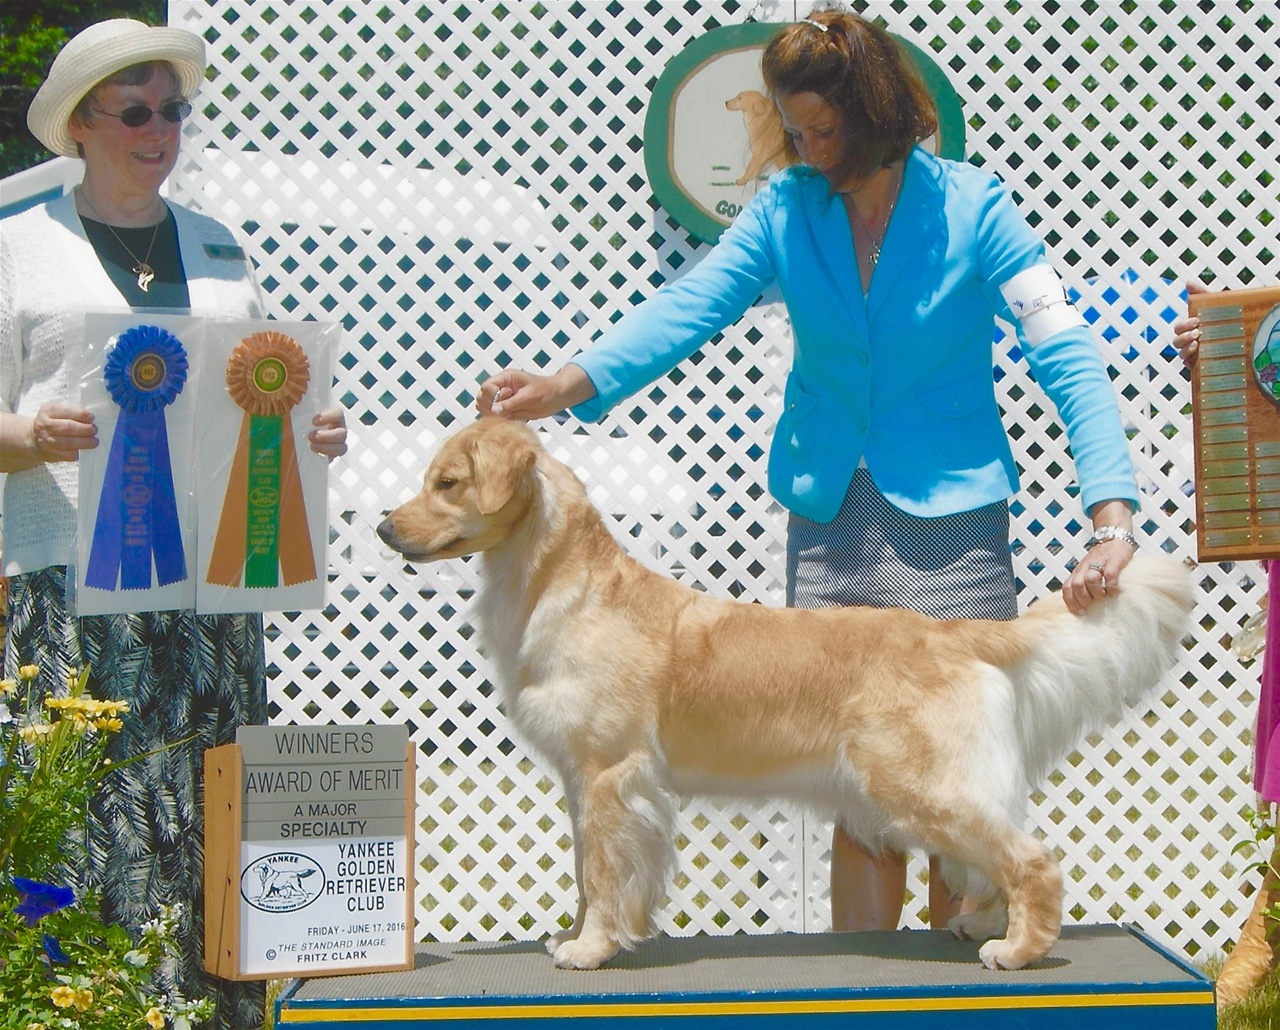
(54, 950)
(37, 900)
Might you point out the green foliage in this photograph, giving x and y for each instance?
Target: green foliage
(1266, 834)
(101, 980)
(60, 965)
(31, 34)
(51, 767)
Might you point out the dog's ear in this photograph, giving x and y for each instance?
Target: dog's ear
(499, 465)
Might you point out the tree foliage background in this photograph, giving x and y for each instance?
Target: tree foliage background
(31, 34)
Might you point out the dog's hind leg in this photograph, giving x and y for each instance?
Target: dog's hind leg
(626, 821)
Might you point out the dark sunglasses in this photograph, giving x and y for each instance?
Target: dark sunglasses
(136, 117)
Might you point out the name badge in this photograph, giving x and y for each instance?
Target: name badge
(225, 251)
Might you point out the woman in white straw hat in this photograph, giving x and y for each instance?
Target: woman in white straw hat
(116, 97)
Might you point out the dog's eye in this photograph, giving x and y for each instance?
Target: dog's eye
(444, 483)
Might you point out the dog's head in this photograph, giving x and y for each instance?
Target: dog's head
(750, 101)
(477, 488)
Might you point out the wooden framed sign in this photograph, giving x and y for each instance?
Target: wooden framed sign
(309, 852)
(1236, 415)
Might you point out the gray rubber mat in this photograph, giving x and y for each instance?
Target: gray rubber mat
(1104, 956)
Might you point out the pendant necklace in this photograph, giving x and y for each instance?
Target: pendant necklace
(873, 254)
(141, 267)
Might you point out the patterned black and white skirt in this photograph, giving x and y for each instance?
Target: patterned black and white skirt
(876, 555)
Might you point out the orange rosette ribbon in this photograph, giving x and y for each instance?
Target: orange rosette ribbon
(263, 532)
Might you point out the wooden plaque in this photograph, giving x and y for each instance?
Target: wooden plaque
(1236, 415)
(309, 862)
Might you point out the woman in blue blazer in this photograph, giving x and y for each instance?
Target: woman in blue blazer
(889, 453)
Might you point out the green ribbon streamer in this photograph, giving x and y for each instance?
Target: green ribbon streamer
(262, 524)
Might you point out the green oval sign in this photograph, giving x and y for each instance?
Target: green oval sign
(712, 138)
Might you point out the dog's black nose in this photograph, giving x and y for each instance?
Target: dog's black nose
(387, 532)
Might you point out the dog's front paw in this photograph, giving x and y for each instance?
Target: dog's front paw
(584, 954)
(999, 954)
(558, 938)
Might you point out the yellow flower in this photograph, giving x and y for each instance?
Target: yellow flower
(85, 707)
(36, 732)
(108, 725)
(84, 998)
(8, 687)
(28, 672)
(154, 1018)
(63, 996)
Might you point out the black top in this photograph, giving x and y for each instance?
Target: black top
(169, 287)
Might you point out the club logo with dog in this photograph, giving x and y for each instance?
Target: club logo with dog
(283, 882)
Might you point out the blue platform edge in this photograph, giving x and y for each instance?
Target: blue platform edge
(1181, 1004)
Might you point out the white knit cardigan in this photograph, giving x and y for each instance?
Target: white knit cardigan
(49, 276)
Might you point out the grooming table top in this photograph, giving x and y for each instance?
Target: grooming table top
(1097, 977)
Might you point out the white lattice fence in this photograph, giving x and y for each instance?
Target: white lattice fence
(463, 186)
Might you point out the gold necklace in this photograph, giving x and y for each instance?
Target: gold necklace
(141, 267)
(873, 255)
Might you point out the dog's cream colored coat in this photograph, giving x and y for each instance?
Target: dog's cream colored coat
(911, 731)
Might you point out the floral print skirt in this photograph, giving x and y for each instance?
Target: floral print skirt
(190, 681)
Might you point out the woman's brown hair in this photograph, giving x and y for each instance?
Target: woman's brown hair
(866, 76)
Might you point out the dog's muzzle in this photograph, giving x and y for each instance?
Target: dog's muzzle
(390, 536)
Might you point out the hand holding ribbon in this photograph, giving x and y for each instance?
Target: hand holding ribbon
(329, 437)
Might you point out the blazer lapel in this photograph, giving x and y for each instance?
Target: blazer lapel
(88, 270)
(833, 246)
(918, 219)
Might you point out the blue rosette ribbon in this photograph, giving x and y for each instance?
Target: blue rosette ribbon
(137, 518)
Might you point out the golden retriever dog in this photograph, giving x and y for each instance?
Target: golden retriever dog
(765, 137)
(636, 689)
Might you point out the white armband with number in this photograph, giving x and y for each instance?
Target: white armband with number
(1040, 304)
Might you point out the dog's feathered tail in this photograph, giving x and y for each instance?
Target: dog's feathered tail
(1081, 671)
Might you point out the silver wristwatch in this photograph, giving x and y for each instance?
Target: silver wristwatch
(1104, 533)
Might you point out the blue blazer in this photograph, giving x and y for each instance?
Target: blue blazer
(901, 378)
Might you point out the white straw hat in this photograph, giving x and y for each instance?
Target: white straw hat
(97, 53)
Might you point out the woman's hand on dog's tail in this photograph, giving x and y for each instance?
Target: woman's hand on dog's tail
(523, 396)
